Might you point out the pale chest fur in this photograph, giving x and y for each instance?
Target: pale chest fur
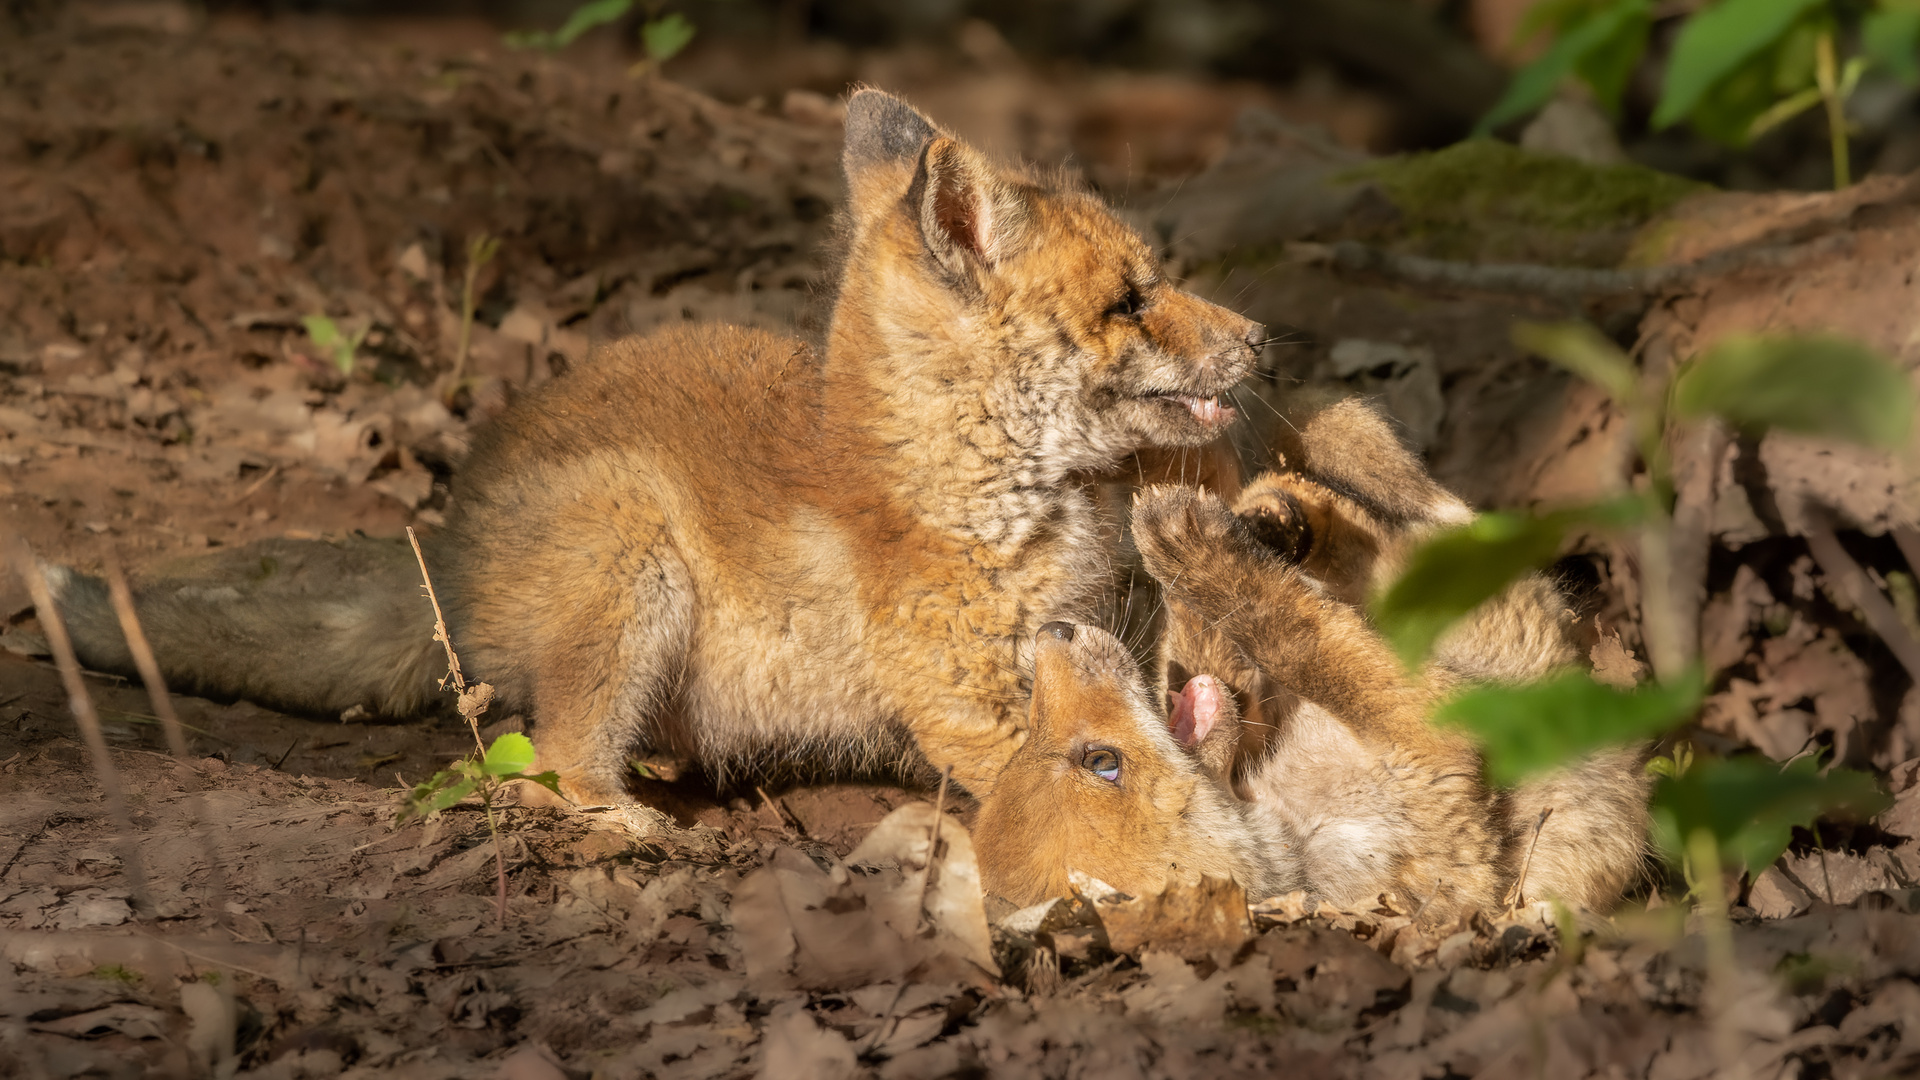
(864, 642)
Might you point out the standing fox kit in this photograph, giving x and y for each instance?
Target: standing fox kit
(1344, 787)
(713, 542)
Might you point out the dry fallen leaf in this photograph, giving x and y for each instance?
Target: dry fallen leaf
(877, 916)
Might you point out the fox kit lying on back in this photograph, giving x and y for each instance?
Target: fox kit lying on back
(713, 542)
(1349, 776)
(1344, 788)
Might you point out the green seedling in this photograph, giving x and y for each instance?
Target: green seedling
(662, 35)
(506, 759)
(332, 342)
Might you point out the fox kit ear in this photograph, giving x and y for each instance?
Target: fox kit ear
(883, 130)
(965, 208)
(884, 139)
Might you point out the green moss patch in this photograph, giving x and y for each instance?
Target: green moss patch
(1488, 201)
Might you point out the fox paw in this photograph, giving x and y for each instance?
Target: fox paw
(1183, 532)
(1275, 516)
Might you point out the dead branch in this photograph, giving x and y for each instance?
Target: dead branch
(81, 702)
(1846, 575)
(149, 669)
(1569, 283)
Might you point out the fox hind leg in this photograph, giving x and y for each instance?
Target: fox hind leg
(603, 675)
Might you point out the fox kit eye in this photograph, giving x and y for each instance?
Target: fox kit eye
(1128, 305)
(1102, 762)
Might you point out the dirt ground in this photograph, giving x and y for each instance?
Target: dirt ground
(176, 196)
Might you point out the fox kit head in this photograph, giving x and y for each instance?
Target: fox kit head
(1017, 307)
(1105, 784)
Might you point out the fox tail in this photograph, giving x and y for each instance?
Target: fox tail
(306, 626)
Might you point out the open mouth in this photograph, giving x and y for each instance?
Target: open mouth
(1206, 411)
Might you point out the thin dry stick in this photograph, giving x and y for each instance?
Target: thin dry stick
(933, 839)
(472, 704)
(149, 670)
(1909, 541)
(1843, 572)
(440, 635)
(1519, 891)
(82, 704)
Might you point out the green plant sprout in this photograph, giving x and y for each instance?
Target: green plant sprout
(480, 251)
(482, 773)
(505, 760)
(338, 345)
(1738, 68)
(662, 36)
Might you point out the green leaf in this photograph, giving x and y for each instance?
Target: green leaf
(1890, 38)
(510, 753)
(1751, 805)
(322, 331)
(549, 780)
(586, 17)
(1458, 570)
(448, 796)
(1533, 86)
(1584, 351)
(1524, 730)
(1815, 385)
(666, 36)
(1714, 44)
(1608, 68)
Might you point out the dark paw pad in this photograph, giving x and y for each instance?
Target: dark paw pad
(1277, 521)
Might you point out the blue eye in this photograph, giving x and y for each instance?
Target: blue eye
(1103, 763)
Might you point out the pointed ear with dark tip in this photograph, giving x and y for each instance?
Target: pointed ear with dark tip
(884, 138)
(966, 211)
(882, 129)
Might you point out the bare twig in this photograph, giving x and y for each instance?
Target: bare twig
(149, 668)
(82, 704)
(933, 839)
(780, 812)
(453, 660)
(1909, 540)
(1846, 575)
(473, 702)
(1571, 283)
(1518, 892)
(1696, 470)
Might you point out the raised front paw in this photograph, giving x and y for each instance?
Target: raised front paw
(1187, 536)
(1276, 516)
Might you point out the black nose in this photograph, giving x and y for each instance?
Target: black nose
(1060, 631)
(1256, 336)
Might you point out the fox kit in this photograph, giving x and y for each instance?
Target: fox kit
(717, 543)
(1346, 777)
(1343, 788)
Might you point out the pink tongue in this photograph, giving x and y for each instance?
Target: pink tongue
(1207, 410)
(1195, 709)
